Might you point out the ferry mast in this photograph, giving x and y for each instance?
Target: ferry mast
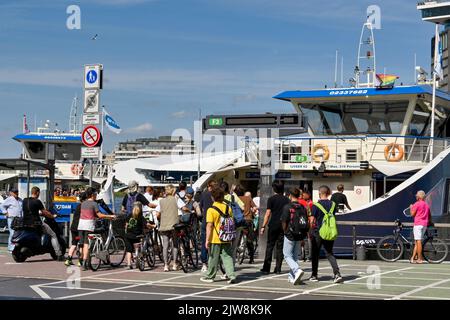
(366, 62)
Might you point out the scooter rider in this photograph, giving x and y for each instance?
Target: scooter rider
(33, 209)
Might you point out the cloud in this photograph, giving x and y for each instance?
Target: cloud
(179, 114)
(143, 128)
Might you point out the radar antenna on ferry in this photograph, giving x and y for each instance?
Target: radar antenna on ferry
(366, 63)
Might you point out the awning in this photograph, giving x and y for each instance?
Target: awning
(6, 176)
(390, 170)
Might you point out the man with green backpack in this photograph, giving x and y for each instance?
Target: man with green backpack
(323, 233)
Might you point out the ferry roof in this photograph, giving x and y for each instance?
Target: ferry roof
(343, 93)
(45, 137)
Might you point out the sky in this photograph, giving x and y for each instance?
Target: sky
(164, 60)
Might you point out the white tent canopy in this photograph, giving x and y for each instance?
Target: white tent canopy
(212, 162)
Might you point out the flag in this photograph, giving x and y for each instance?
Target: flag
(111, 123)
(438, 60)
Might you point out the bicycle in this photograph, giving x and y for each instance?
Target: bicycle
(112, 251)
(183, 242)
(144, 252)
(391, 248)
(242, 247)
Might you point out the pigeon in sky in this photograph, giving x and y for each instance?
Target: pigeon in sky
(95, 37)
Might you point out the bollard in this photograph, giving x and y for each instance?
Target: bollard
(361, 253)
(354, 241)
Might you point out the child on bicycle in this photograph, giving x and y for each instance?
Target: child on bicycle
(134, 227)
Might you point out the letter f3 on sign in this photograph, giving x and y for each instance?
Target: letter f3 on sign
(74, 19)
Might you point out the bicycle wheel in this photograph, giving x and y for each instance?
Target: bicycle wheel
(140, 259)
(116, 251)
(434, 250)
(241, 251)
(194, 251)
(149, 252)
(94, 261)
(159, 247)
(390, 248)
(183, 255)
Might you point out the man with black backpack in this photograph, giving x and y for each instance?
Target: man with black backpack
(294, 221)
(323, 233)
(132, 196)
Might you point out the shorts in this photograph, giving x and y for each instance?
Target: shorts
(419, 232)
(129, 244)
(75, 237)
(83, 234)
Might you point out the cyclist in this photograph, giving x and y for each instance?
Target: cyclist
(206, 201)
(74, 233)
(134, 227)
(422, 214)
(89, 211)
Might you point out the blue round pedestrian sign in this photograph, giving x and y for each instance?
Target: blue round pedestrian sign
(91, 76)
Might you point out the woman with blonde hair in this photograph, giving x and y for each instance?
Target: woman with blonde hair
(134, 227)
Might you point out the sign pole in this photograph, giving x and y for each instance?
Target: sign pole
(102, 116)
(433, 103)
(91, 171)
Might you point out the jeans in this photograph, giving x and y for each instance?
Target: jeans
(224, 252)
(54, 239)
(166, 236)
(290, 252)
(316, 243)
(11, 233)
(275, 239)
(204, 252)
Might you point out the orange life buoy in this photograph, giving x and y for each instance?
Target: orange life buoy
(390, 153)
(76, 169)
(325, 150)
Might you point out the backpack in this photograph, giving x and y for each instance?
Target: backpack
(298, 223)
(227, 229)
(238, 215)
(328, 230)
(130, 203)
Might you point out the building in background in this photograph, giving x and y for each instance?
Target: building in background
(151, 148)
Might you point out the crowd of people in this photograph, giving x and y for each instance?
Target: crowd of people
(292, 221)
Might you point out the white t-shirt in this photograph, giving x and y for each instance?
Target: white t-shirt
(257, 201)
(153, 212)
(149, 198)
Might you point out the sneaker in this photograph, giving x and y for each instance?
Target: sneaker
(68, 262)
(60, 258)
(80, 263)
(298, 276)
(224, 277)
(338, 279)
(264, 271)
(290, 279)
(130, 267)
(314, 279)
(166, 268)
(204, 268)
(207, 280)
(277, 271)
(175, 267)
(231, 281)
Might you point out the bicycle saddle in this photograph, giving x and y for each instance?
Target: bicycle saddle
(179, 226)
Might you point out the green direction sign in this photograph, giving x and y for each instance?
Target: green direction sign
(301, 158)
(215, 121)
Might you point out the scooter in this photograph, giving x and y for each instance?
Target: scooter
(30, 242)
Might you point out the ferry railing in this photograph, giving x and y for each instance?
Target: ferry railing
(372, 246)
(368, 148)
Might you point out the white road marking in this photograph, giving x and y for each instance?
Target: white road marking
(120, 288)
(232, 286)
(40, 292)
(431, 285)
(337, 284)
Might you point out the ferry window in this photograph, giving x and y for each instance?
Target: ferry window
(361, 124)
(419, 122)
(334, 122)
